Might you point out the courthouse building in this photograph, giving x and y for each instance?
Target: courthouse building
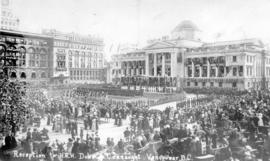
(184, 61)
(232, 64)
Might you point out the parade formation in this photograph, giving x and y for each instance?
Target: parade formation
(220, 127)
(186, 96)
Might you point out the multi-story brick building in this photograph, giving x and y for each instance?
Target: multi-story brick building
(77, 58)
(33, 52)
(53, 57)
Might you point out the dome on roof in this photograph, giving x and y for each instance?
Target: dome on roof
(186, 24)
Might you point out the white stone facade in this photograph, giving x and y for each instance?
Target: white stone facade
(77, 58)
(191, 63)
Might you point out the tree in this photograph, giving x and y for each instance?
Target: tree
(13, 110)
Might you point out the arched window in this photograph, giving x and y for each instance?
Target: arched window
(2, 50)
(2, 75)
(43, 58)
(13, 75)
(23, 75)
(22, 56)
(33, 76)
(43, 75)
(32, 58)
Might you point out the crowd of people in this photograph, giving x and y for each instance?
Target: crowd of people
(226, 126)
(63, 115)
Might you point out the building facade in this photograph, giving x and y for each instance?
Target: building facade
(77, 58)
(33, 52)
(184, 61)
(8, 20)
(128, 66)
(53, 57)
(231, 64)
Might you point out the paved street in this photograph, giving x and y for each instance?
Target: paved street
(105, 130)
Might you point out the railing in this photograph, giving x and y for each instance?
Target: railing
(215, 90)
(225, 51)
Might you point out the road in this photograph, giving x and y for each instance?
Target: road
(105, 130)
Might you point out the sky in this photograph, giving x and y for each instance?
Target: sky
(136, 21)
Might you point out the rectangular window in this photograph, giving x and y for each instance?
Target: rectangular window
(188, 84)
(241, 71)
(43, 60)
(82, 62)
(234, 71)
(32, 60)
(203, 84)
(70, 61)
(212, 84)
(196, 84)
(189, 72)
(197, 72)
(61, 61)
(212, 72)
(37, 60)
(234, 84)
(220, 84)
(234, 59)
(81, 75)
(204, 72)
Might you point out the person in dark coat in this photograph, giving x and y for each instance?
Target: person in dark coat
(75, 148)
(127, 134)
(10, 142)
(120, 145)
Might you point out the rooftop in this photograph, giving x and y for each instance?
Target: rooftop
(23, 34)
(253, 41)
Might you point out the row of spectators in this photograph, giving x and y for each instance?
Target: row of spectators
(227, 127)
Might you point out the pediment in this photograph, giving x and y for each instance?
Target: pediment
(160, 45)
(188, 44)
